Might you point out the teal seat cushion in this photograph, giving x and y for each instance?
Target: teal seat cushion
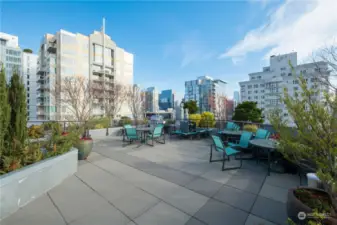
(232, 144)
(231, 151)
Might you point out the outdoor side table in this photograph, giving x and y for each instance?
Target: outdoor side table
(268, 145)
(144, 131)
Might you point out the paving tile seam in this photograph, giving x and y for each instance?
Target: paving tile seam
(196, 177)
(57, 208)
(147, 210)
(85, 183)
(232, 206)
(251, 208)
(185, 155)
(161, 199)
(264, 219)
(117, 160)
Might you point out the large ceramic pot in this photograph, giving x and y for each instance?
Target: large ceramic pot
(84, 147)
(297, 211)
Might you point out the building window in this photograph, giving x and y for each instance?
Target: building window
(295, 81)
(290, 74)
(256, 85)
(261, 85)
(304, 71)
(248, 98)
(249, 86)
(256, 97)
(262, 97)
(256, 91)
(283, 68)
(249, 92)
(253, 78)
(313, 79)
(28, 89)
(27, 82)
(262, 91)
(259, 77)
(27, 76)
(295, 88)
(283, 74)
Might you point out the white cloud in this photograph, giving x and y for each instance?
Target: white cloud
(191, 48)
(302, 26)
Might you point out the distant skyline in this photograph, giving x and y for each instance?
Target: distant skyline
(174, 42)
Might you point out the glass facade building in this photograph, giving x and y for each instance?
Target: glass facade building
(204, 91)
(166, 100)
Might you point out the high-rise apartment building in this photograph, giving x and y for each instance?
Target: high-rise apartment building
(13, 59)
(67, 54)
(10, 54)
(166, 100)
(151, 100)
(204, 91)
(29, 62)
(266, 87)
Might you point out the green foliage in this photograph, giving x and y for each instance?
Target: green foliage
(124, 121)
(47, 126)
(98, 123)
(4, 111)
(250, 127)
(18, 114)
(207, 119)
(17, 150)
(248, 111)
(195, 118)
(191, 106)
(27, 50)
(314, 137)
(35, 131)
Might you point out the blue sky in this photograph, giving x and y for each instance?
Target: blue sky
(176, 41)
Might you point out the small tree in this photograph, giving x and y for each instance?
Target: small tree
(27, 50)
(220, 107)
(76, 96)
(207, 119)
(248, 111)
(18, 113)
(191, 106)
(314, 137)
(114, 98)
(4, 111)
(135, 101)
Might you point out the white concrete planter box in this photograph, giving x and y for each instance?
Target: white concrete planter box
(97, 134)
(20, 187)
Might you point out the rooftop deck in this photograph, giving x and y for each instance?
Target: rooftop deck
(170, 183)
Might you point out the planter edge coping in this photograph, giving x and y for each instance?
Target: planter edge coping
(35, 167)
(291, 191)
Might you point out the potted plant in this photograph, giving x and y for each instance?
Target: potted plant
(84, 146)
(312, 138)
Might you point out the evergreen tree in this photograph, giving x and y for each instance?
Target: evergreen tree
(4, 111)
(248, 111)
(18, 113)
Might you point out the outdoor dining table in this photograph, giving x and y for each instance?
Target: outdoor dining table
(266, 144)
(231, 133)
(144, 131)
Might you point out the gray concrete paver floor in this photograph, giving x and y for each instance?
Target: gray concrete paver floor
(166, 184)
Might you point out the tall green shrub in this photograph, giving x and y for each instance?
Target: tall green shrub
(18, 112)
(4, 110)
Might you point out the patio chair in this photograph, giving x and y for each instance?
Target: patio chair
(131, 134)
(243, 143)
(123, 130)
(226, 152)
(156, 135)
(262, 134)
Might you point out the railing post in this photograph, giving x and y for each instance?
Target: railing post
(64, 126)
